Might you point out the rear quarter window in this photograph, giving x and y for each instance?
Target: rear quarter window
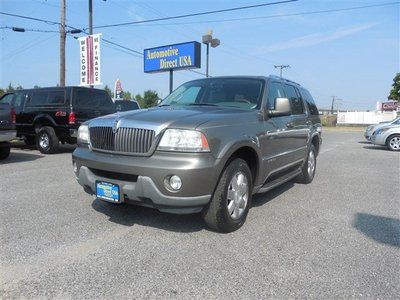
(310, 101)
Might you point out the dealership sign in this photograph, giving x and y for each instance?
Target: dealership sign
(172, 57)
(90, 60)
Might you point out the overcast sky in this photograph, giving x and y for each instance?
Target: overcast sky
(352, 54)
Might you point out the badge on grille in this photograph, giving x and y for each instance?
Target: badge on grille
(115, 126)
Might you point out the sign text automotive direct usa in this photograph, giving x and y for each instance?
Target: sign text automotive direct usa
(172, 57)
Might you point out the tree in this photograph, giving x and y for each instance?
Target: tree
(108, 90)
(10, 88)
(2, 92)
(395, 91)
(36, 86)
(19, 87)
(126, 95)
(149, 99)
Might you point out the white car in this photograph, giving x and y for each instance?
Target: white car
(388, 136)
(371, 128)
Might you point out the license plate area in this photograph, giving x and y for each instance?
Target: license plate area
(108, 191)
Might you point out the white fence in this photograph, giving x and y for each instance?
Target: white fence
(364, 117)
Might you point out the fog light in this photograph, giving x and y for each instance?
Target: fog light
(175, 182)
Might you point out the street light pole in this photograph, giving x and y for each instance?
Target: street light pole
(62, 44)
(281, 67)
(207, 40)
(207, 58)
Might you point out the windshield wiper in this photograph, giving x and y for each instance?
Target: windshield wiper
(203, 104)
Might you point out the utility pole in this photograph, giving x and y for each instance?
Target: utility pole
(281, 67)
(333, 101)
(90, 17)
(62, 43)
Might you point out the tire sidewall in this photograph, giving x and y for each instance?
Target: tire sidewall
(237, 165)
(307, 177)
(388, 142)
(53, 141)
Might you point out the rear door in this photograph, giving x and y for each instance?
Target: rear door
(90, 103)
(299, 127)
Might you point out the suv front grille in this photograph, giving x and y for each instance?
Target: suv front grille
(125, 140)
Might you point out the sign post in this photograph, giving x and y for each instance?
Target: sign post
(90, 60)
(172, 57)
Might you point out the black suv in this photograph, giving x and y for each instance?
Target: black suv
(208, 147)
(47, 116)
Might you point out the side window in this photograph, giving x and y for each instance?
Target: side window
(85, 99)
(295, 101)
(38, 98)
(56, 97)
(275, 90)
(310, 101)
(19, 99)
(7, 98)
(104, 101)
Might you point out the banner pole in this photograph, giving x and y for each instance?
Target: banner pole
(171, 80)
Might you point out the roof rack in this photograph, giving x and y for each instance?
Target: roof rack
(284, 79)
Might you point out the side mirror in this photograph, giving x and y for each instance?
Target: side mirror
(282, 108)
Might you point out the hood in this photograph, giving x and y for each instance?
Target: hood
(159, 118)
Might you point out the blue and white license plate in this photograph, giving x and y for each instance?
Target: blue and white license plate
(107, 191)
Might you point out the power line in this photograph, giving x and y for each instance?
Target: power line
(196, 14)
(277, 16)
(29, 18)
(28, 29)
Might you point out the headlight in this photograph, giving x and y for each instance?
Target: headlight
(184, 141)
(83, 134)
(382, 130)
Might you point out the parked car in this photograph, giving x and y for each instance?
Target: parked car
(371, 128)
(388, 136)
(47, 116)
(208, 147)
(125, 105)
(7, 125)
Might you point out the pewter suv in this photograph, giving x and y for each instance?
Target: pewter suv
(207, 148)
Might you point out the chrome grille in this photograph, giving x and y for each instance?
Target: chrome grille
(126, 140)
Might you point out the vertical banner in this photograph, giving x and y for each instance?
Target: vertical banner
(118, 89)
(90, 60)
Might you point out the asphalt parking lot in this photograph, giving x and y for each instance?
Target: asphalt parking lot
(338, 237)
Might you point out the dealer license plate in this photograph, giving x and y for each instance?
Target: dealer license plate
(107, 191)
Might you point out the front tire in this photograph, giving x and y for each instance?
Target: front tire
(393, 142)
(47, 140)
(231, 201)
(309, 167)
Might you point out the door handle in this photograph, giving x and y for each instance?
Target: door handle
(289, 125)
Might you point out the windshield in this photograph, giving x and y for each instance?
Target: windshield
(242, 93)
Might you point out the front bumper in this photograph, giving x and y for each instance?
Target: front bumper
(141, 179)
(378, 139)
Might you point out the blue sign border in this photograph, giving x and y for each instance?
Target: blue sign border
(196, 57)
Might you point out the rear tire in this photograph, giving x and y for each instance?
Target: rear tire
(309, 167)
(393, 142)
(231, 201)
(4, 151)
(47, 140)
